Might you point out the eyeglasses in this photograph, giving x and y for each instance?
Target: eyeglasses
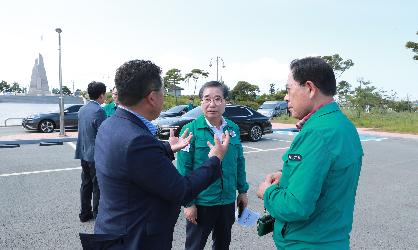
(217, 100)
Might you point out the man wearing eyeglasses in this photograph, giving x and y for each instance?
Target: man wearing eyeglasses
(214, 208)
(141, 190)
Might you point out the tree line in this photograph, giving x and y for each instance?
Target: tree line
(15, 88)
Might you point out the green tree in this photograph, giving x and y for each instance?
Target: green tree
(4, 86)
(55, 91)
(66, 90)
(365, 97)
(15, 88)
(414, 47)
(280, 94)
(244, 91)
(195, 74)
(338, 64)
(343, 92)
(172, 78)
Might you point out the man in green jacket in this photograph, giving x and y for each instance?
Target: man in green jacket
(110, 108)
(312, 199)
(214, 208)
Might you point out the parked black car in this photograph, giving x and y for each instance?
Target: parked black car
(252, 124)
(175, 111)
(47, 122)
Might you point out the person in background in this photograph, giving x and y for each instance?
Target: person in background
(214, 208)
(90, 117)
(110, 108)
(141, 190)
(190, 104)
(312, 199)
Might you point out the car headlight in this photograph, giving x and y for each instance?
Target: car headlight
(33, 117)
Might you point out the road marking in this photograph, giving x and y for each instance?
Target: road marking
(251, 147)
(363, 137)
(274, 139)
(72, 145)
(265, 150)
(39, 172)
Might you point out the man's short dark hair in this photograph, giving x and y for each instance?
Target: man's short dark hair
(95, 89)
(215, 84)
(135, 79)
(316, 70)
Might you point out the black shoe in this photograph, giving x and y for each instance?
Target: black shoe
(85, 217)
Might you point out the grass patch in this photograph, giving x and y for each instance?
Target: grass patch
(402, 122)
(285, 119)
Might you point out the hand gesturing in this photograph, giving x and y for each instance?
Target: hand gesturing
(177, 143)
(219, 150)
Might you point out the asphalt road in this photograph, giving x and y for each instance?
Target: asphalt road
(39, 191)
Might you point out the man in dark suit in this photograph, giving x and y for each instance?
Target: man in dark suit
(90, 117)
(141, 190)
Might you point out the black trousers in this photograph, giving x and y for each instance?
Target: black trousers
(89, 188)
(215, 219)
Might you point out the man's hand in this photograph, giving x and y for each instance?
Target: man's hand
(191, 214)
(262, 188)
(273, 178)
(242, 202)
(177, 143)
(219, 150)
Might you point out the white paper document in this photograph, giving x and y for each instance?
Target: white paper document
(248, 218)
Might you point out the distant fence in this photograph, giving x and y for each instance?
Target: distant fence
(5, 121)
(40, 99)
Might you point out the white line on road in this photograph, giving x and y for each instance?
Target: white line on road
(40, 171)
(72, 145)
(265, 150)
(274, 139)
(251, 147)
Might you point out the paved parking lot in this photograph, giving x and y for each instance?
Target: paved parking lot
(39, 189)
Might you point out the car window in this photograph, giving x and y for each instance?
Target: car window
(73, 109)
(176, 109)
(194, 113)
(236, 111)
(268, 106)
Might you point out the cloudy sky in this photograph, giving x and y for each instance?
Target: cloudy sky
(256, 39)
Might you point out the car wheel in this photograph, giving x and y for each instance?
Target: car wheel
(255, 133)
(46, 126)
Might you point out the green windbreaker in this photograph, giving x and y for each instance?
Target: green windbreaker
(314, 201)
(224, 190)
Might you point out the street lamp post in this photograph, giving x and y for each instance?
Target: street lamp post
(218, 59)
(62, 129)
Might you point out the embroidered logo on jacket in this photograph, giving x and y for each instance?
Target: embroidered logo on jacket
(294, 157)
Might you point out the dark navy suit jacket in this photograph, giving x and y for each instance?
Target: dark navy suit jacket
(140, 189)
(90, 116)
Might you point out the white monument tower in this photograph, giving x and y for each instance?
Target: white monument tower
(39, 81)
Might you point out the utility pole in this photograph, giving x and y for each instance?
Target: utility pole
(218, 59)
(62, 128)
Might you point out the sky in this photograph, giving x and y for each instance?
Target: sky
(256, 40)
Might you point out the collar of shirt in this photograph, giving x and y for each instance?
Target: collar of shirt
(95, 102)
(147, 123)
(216, 131)
(301, 122)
